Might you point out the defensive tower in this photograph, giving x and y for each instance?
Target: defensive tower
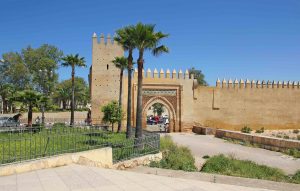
(104, 77)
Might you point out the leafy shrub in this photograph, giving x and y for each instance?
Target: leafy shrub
(206, 157)
(166, 142)
(296, 131)
(261, 130)
(221, 164)
(175, 157)
(296, 177)
(56, 125)
(298, 137)
(246, 129)
(286, 137)
(293, 152)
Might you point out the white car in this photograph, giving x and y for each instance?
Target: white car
(8, 122)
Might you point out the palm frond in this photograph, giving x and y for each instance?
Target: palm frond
(159, 50)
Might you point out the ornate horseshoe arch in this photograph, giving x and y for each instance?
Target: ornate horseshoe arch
(167, 105)
(169, 97)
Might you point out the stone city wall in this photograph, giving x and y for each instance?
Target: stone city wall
(233, 105)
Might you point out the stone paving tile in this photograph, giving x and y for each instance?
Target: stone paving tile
(82, 178)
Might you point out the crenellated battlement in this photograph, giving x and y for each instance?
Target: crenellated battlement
(165, 74)
(256, 84)
(102, 40)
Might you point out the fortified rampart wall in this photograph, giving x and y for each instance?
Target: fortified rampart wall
(234, 104)
(229, 105)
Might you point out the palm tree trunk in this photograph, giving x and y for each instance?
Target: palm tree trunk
(29, 115)
(120, 99)
(73, 96)
(64, 102)
(5, 104)
(139, 130)
(128, 126)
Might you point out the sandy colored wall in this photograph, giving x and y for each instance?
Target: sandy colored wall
(258, 106)
(104, 76)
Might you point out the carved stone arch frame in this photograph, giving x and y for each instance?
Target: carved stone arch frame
(172, 112)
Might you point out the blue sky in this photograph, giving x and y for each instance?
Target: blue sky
(255, 39)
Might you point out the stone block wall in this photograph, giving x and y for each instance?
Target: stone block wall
(265, 142)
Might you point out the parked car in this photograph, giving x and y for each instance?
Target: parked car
(8, 122)
(151, 122)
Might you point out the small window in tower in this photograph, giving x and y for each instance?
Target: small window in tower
(107, 66)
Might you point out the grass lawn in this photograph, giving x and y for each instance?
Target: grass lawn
(230, 166)
(16, 147)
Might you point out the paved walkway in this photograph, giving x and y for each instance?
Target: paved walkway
(82, 178)
(209, 145)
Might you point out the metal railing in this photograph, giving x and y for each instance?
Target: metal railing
(18, 146)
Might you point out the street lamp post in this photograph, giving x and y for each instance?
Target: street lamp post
(44, 75)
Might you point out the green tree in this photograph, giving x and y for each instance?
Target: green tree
(63, 92)
(6, 92)
(44, 58)
(30, 99)
(125, 37)
(73, 61)
(112, 113)
(158, 108)
(15, 71)
(198, 75)
(146, 38)
(121, 63)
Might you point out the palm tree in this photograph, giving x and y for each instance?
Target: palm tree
(29, 98)
(121, 63)
(145, 38)
(125, 37)
(73, 61)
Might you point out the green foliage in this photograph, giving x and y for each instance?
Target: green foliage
(246, 129)
(44, 58)
(298, 137)
(286, 137)
(158, 108)
(28, 97)
(296, 131)
(166, 142)
(293, 152)
(221, 164)
(175, 157)
(63, 92)
(120, 62)
(57, 140)
(198, 75)
(261, 130)
(206, 157)
(73, 61)
(112, 112)
(296, 177)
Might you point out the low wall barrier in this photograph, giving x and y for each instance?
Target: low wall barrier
(269, 143)
(204, 130)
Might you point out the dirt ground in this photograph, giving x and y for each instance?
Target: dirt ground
(285, 134)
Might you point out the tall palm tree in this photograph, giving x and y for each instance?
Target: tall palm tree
(145, 38)
(121, 63)
(125, 37)
(73, 61)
